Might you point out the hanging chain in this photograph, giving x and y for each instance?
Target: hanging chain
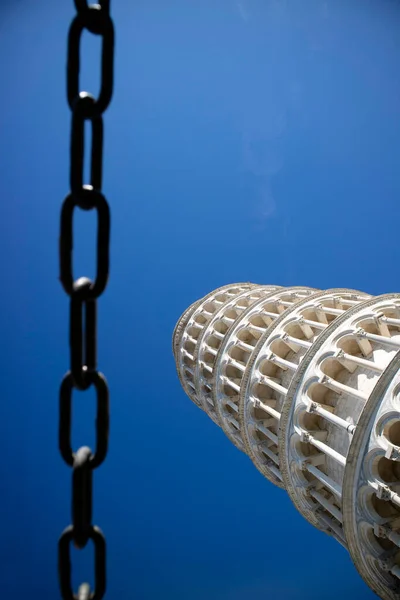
(83, 295)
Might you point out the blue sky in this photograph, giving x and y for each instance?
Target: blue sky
(247, 140)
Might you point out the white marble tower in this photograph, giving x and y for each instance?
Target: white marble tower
(307, 384)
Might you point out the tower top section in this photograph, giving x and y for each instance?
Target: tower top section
(305, 382)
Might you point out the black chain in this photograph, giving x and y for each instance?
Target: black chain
(83, 295)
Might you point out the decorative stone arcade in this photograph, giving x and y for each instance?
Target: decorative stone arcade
(307, 384)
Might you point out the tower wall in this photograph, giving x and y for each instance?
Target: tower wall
(306, 383)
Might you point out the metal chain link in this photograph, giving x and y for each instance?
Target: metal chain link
(83, 295)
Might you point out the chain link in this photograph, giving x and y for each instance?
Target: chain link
(83, 295)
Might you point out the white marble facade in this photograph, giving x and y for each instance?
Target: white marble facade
(307, 383)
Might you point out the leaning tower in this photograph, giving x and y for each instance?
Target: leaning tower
(307, 383)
